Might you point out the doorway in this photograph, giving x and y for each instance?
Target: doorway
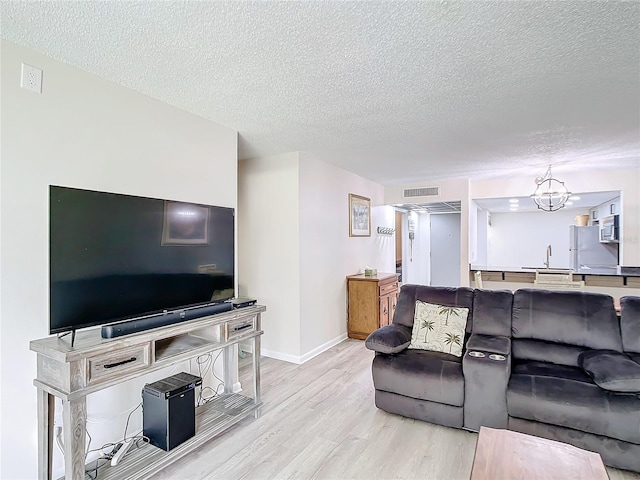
(445, 249)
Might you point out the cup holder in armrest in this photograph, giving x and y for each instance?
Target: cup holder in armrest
(497, 357)
(476, 354)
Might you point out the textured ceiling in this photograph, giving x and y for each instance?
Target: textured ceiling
(398, 92)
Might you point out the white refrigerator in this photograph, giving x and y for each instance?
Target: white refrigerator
(587, 254)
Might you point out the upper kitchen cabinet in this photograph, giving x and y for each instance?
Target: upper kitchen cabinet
(605, 209)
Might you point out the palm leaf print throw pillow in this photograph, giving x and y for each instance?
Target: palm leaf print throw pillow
(438, 328)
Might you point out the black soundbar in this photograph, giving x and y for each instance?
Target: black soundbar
(140, 324)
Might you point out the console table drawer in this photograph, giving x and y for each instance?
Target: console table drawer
(236, 328)
(114, 364)
(388, 288)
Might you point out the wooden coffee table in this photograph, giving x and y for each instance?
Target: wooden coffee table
(502, 454)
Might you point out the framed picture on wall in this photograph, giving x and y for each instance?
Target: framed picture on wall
(359, 216)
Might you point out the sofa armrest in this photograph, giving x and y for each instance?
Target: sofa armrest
(486, 367)
(489, 344)
(611, 370)
(389, 339)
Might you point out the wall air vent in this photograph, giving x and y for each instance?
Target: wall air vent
(421, 192)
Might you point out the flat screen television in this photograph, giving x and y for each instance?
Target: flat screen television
(115, 257)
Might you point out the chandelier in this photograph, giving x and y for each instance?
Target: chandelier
(550, 194)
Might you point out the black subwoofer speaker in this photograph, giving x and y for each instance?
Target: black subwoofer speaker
(168, 410)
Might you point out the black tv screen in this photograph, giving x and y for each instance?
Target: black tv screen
(114, 257)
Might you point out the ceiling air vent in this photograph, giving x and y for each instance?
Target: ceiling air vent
(421, 192)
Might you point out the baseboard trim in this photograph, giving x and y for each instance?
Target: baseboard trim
(323, 348)
(285, 357)
(300, 359)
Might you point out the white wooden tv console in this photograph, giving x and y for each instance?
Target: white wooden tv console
(95, 363)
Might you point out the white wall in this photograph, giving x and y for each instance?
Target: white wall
(82, 131)
(295, 251)
(473, 232)
(481, 246)
(520, 239)
(269, 247)
(328, 254)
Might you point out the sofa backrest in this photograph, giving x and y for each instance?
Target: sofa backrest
(556, 326)
(630, 323)
(447, 296)
(492, 312)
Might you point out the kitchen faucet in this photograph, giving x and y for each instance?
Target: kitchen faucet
(546, 264)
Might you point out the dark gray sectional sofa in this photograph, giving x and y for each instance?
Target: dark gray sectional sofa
(559, 365)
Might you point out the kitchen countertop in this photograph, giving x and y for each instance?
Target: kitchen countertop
(616, 272)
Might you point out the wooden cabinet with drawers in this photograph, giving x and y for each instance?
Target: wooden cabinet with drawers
(371, 303)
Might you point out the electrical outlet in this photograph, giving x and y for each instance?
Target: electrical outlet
(31, 78)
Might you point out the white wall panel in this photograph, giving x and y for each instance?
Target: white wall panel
(84, 132)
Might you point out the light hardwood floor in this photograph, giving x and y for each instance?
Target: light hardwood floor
(319, 421)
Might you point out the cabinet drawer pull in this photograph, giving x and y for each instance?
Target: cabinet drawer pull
(242, 327)
(117, 364)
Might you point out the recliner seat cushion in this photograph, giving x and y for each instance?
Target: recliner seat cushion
(566, 396)
(433, 376)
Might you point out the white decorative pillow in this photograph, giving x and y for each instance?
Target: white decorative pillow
(438, 328)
